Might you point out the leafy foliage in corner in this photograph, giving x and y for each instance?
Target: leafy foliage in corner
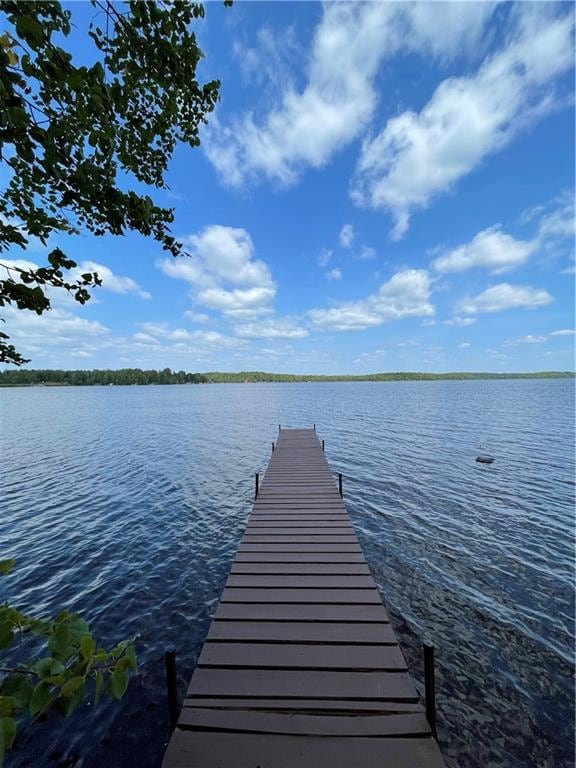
(67, 132)
(69, 666)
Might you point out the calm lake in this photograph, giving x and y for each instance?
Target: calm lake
(126, 504)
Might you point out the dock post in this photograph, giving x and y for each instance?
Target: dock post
(279, 428)
(340, 484)
(171, 687)
(429, 686)
(256, 488)
(314, 427)
(272, 447)
(322, 444)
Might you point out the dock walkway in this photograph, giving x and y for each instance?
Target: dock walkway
(301, 668)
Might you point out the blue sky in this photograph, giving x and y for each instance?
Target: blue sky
(383, 187)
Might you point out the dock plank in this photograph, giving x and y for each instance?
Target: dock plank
(226, 750)
(301, 632)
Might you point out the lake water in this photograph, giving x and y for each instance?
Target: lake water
(127, 504)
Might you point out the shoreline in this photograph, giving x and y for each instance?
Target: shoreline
(138, 377)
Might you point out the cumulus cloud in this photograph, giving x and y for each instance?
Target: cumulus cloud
(504, 296)
(325, 257)
(334, 274)
(155, 333)
(499, 252)
(280, 328)
(196, 317)
(223, 272)
(56, 329)
(307, 126)
(419, 155)
(110, 281)
(460, 322)
(346, 237)
(491, 249)
(406, 294)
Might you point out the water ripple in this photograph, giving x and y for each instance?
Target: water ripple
(127, 504)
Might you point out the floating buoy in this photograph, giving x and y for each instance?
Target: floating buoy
(483, 459)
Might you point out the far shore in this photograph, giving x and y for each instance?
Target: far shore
(139, 377)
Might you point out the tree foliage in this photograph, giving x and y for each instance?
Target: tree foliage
(66, 665)
(24, 376)
(69, 134)
(124, 376)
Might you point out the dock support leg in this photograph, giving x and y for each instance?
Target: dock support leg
(314, 427)
(171, 688)
(430, 687)
(340, 484)
(256, 488)
(272, 447)
(322, 444)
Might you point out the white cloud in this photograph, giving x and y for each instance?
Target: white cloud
(196, 317)
(308, 126)
(366, 253)
(491, 249)
(461, 322)
(56, 328)
(420, 155)
(346, 237)
(155, 332)
(239, 302)
(464, 345)
(9, 266)
(334, 274)
(529, 339)
(563, 332)
(504, 296)
(406, 294)
(224, 273)
(555, 220)
(145, 338)
(325, 257)
(285, 328)
(110, 281)
(268, 63)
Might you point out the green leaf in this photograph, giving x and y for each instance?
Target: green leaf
(6, 566)
(43, 667)
(19, 688)
(8, 728)
(30, 29)
(118, 683)
(6, 634)
(131, 656)
(8, 705)
(70, 688)
(87, 647)
(99, 682)
(60, 640)
(40, 698)
(72, 703)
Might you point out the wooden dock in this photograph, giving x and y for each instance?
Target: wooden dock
(301, 668)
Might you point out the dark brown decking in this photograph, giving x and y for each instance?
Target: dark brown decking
(301, 668)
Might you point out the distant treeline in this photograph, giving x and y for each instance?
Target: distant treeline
(22, 377)
(255, 376)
